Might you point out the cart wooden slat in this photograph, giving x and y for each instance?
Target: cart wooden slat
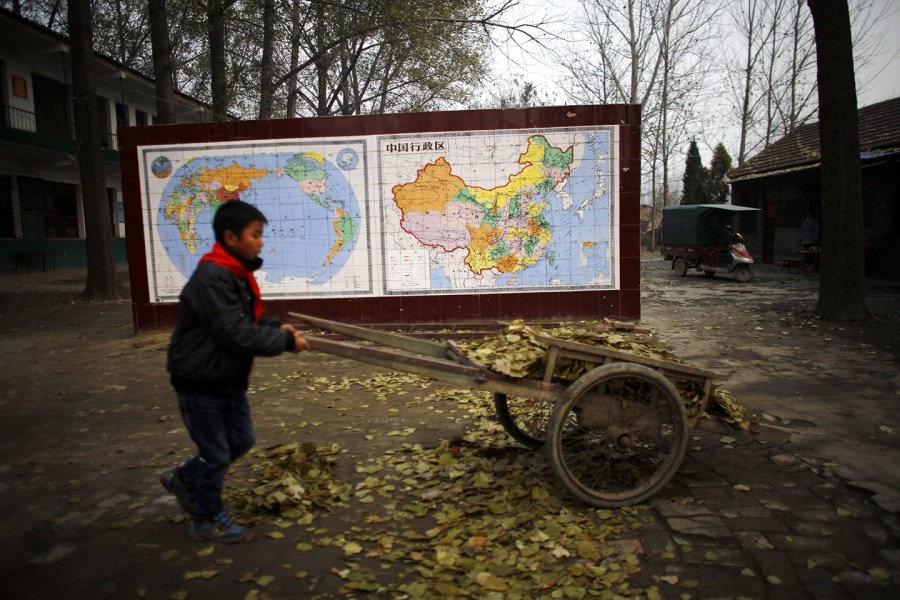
(598, 355)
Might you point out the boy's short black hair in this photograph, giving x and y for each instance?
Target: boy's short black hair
(234, 216)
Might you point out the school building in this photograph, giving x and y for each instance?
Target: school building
(41, 213)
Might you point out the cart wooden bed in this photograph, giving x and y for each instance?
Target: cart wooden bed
(613, 437)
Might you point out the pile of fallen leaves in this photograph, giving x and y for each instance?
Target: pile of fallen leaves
(292, 480)
(479, 518)
(729, 409)
(515, 351)
(476, 517)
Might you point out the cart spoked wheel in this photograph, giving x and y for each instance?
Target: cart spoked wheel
(617, 435)
(524, 419)
(743, 273)
(680, 267)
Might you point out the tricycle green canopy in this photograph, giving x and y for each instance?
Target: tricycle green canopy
(699, 224)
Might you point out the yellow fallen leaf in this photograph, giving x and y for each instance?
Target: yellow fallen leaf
(206, 551)
(207, 574)
(276, 535)
(587, 549)
(264, 580)
(352, 548)
(879, 573)
(168, 555)
(812, 563)
(741, 487)
(491, 582)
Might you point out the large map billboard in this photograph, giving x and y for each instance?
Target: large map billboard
(459, 212)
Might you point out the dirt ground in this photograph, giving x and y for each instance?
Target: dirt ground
(834, 385)
(89, 420)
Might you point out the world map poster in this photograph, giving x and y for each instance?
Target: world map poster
(430, 213)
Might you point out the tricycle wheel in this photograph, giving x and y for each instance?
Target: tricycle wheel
(743, 273)
(617, 435)
(524, 419)
(679, 266)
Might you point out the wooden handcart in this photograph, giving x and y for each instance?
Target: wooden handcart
(614, 437)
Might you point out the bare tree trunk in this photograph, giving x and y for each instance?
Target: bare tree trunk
(795, 67)
(842, 294)
(771, 99)
(101, 264)
(162, 62)
(664, 49)
(295, 60)
(653, 200)
(635, 52)
(54, 12)
(748, 77)
(266, 87)
(215, 14)
(322, 61)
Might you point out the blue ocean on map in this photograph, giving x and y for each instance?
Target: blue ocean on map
(301, 239)
(577, 253)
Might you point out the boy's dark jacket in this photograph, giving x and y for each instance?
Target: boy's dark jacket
(215, 336)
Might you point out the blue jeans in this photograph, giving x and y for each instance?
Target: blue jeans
(221, 426)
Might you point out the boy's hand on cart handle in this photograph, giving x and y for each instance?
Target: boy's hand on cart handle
(300, 342)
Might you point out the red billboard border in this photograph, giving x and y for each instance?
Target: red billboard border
(623, 303)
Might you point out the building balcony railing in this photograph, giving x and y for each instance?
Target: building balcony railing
(47, 132)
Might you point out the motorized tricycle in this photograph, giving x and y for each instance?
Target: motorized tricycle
(701, 237)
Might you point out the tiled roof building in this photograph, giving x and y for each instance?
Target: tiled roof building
(783, 182)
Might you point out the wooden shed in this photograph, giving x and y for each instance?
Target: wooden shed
(783, 181)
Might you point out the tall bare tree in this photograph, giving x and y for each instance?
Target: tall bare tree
(646, 52)
(842, 293)
(796, 101)
(101, 264)
(773, 80)
(756, 33)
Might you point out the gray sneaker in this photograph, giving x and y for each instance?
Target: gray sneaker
(220, 529)
(185, 493)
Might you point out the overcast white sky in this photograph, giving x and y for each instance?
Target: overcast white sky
(538, 66)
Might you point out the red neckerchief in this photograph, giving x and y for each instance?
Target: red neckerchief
(223, 258)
